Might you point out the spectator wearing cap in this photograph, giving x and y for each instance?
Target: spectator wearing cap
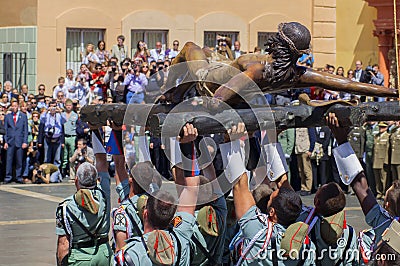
(51, 134)
(120, 50)
(16, 140)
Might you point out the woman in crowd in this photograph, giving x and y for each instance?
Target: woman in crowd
(340, 71)
(102, 53)
(90, 58)
(142, 51)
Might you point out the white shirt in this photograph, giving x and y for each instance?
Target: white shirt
(156, 56)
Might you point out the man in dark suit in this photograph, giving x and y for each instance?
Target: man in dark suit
(360, 75)
(16, 140)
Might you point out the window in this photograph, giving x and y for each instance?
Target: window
(150, 37)
(210, 37)
(262, 38)
(77, 39)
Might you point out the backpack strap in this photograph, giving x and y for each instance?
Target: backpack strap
(314, 240)
(303, 259)
(211, 260)
(134, 224)
(274, 252)
(344, 255)
(128, 260)
(179, 245)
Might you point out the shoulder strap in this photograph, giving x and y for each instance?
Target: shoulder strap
(211, 260)
(128, 260)
(134, 224)
(274, 252)
(344, 255)
(303, 259)
(178, 243)
(314, 240)
(133, 205)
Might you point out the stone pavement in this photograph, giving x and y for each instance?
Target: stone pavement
(27, 220)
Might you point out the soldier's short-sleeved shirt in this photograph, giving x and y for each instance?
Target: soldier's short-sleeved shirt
(126, 214)
(252, 222)
(337, 251)
(91, 221)
(123, 215)
(183, 230)
(65, 225)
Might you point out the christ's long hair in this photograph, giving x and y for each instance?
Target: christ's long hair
(286, 47)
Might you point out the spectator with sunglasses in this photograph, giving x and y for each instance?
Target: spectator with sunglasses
(172, 53)
(142, 51)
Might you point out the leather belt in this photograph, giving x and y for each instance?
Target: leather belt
(90, 243)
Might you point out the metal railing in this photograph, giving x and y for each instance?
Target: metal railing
(14, 68)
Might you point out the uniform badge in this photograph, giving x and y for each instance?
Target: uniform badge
(177, 221)
(120, 219)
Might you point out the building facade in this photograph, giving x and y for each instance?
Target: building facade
(49, 35)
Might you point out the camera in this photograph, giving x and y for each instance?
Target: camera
(369, 68)
(50, 131)
(81, 158)
(368, 73)
(113, 66)
(39, 172)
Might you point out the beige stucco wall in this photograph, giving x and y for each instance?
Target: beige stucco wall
(354, 34)
(18, 13)
(185, 20)
(324, 32)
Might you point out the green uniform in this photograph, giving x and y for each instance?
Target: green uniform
(70, 135)
(86, 250)
(356, 139)
(135, 253)
(253, 223)
(349, 258)
(286, 139)
(395, 153)
(370, 131)
(381, 162)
